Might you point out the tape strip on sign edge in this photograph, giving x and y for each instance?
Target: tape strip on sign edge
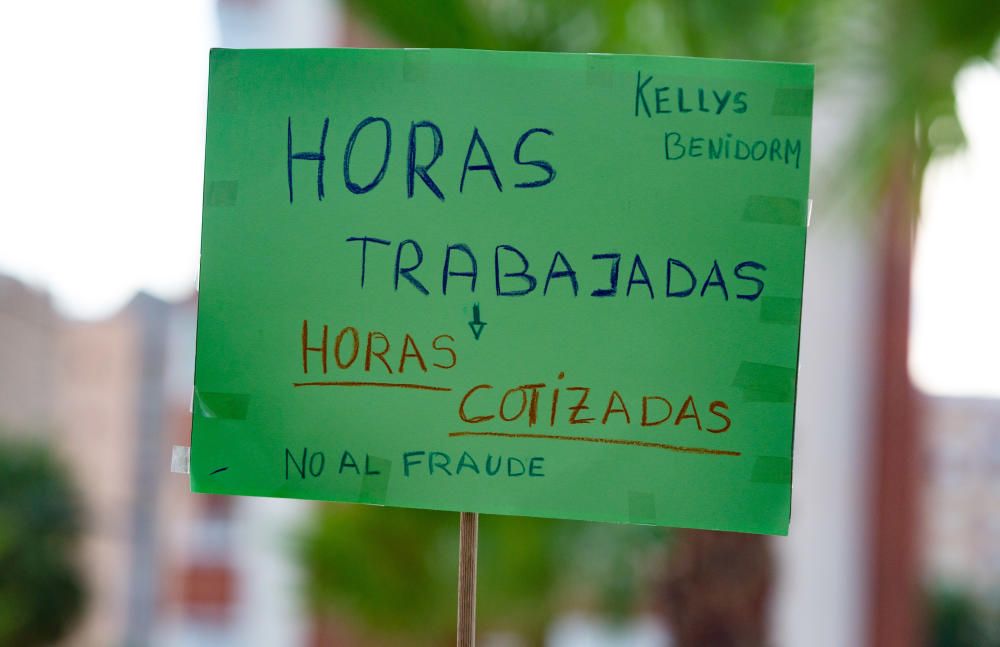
(772, 469)
(775, 210)
(415, 64)
(180, 460)
(765, 382)
(221, 406)
(783, 311)
(641, 508)
(792, 102)
(224, 73)
(222, 193)
(600, 70)
(374, 487)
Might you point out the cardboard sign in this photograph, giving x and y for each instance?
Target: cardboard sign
(554, 285)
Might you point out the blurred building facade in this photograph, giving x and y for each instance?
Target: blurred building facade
(962, 457)
(28, 354)
(96, 407)
(112, 397)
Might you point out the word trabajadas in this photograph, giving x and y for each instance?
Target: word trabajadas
(513, 275)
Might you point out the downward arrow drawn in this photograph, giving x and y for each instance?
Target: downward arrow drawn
(476, 324)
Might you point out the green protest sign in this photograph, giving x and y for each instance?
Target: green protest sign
(557, 285)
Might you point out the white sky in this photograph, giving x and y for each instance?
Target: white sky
(103, 137)
(103, 141)
(955, 343)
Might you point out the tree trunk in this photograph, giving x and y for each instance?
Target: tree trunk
(716, 589)
(894, 562)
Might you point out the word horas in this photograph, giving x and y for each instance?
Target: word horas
(425, 147)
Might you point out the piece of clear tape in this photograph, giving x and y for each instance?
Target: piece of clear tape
(180, 460)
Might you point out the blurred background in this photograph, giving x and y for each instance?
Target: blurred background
(895, 534)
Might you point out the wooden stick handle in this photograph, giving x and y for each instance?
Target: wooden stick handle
(468, 540)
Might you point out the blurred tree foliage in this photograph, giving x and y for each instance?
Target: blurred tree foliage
(41, 588)
(395, 570)
(957, 620)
